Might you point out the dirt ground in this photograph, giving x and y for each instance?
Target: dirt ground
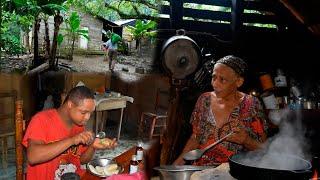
(89, 63)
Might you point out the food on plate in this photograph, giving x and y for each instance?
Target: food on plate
(106, 141)
(108, 170)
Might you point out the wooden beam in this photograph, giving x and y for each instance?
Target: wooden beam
(19, 135)
(6, 116)
(258, 5)
(8, 94)
(225, 3)
(206, 14)
(259, 18)
(40, 68)
(165, 9)
(236, 23)
(287, 4)
(176, 14)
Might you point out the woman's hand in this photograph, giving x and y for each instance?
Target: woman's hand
(105, 143)
(179, 161)
(240, 136)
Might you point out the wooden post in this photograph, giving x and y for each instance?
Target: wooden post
(172, 131)
(19, 134)
(236, 23)
(176, 14)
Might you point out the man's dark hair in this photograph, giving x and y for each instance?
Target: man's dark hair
(78, 94)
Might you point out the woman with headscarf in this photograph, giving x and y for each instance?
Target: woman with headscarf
(225, 110)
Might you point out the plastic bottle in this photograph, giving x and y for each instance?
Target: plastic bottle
(139, 152)
(268, 95)
(133, 165)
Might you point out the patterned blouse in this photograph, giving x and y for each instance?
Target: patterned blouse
(248, 114)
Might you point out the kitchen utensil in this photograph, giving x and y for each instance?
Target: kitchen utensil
(101, 135)
(197, 153)
(181, 56)
(103, 162)
(242, 169)
(173, 172)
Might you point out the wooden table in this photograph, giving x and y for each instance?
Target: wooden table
(123, 160)
(104, 103)
(151, 160)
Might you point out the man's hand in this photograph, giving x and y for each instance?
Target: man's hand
(105, 143)
(85, 137)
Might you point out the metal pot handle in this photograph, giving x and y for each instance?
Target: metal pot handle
(180, 32)
(301, 171)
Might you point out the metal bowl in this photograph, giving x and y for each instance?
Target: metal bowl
(172, 172)
(103, 162)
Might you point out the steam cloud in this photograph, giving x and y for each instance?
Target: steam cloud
(286, 150)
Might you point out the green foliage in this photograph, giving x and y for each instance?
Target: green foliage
(60, 39)
(119, 9)
(10, 34)
(73, 28)
(143, 29)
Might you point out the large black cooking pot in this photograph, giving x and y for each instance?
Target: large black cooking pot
(243, 170)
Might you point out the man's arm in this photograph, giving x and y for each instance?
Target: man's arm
(39, 152)
(191, 145)
(87, 155)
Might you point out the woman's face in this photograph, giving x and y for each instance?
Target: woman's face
(225, 80)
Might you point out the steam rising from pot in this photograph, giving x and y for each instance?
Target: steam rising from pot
(289, 142)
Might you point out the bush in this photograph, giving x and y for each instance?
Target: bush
(11, 44)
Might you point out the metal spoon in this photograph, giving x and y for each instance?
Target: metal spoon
(101, 135)
(197, 153)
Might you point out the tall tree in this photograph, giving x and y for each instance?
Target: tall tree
(116, 9)
(35, 8)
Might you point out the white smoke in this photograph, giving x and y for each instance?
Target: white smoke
(287, 149)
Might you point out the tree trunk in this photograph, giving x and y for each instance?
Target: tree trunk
(57, 22)
(28, 42)
(47, 39)
(72, 48)
(138, 46)
(36, 58)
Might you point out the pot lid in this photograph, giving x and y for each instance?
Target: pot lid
(180, 56)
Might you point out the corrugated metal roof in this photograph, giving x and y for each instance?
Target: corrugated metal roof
(122, 22)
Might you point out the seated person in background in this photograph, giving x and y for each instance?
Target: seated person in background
(223, 110)
(56, 139)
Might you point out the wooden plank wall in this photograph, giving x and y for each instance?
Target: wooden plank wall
(221, 22)
(23, 85)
